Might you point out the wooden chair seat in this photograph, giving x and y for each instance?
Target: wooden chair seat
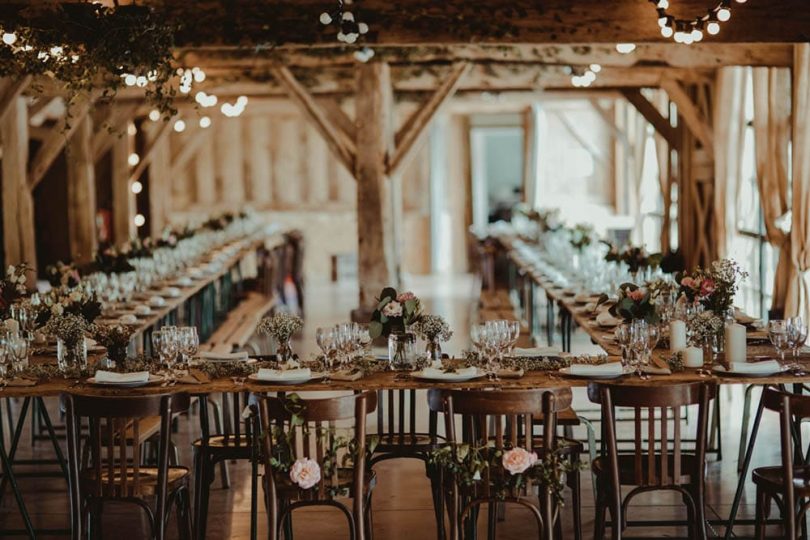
(290, 492)
(414, 442)
(232, 442)
(627, 464)
(147, 481)
(770, 479)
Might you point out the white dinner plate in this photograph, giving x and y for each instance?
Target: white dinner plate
(721, 370)
(315, 376)
(153, 379)
(566, 371)
(448, 377)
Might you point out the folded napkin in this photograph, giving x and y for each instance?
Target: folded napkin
(655, 370)
(535, 352)
(195, 273)
(611, 368)
(765, 366)
(433, 373)
(129, 318)
(590, 307)
(113, 377)
(185, 281)
(172, 292)
(188, 378)
(157, 301)
(266, 374)
(223, 357)
(510, 373)
(143, 310)
(606, 319)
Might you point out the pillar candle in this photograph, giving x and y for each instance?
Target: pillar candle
(677, 335)
(735, 343)
(693, 357)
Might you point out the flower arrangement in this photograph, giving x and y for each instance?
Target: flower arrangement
(637, 258)
(75, 301)
(433, 328)
(511, 470)
(715, 287)
(548, 219)
(112, 261)
(703, 326)
(634, 303)
(394, 313)
(68, 327)
(12, 287)
(581, 236)
(281, 326)
(115, 337)
(62, 275)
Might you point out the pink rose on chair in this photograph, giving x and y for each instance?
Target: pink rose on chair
(518, 460)
(305, 472)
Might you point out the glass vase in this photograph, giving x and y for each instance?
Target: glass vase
(284, 351)
(71, 354)
(434, 350)
(401, 350)
(116, 356)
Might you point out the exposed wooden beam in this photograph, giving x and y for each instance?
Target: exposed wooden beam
(10, 91)
(652, 115)
(81, 189)
(344, 149)
(53, 145)
(156, 140)
(694, 119)
(123, 201)
(339, 117)
(191, 145)
(610, 121)
(569, 127)
(113, 126)
(417, 124)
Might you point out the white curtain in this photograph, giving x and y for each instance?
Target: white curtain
(798, 294)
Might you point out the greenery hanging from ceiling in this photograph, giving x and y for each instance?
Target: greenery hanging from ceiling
(94, 48)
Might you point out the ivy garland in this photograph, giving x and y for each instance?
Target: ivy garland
(94, 47)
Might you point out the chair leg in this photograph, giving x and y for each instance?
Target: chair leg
(746, 420)
(576, 503)
(438, 500)
(492, 519)
(599, 515)
(761, 512)
(700, 514)
(201, 505)
(184, 528)
(368, 517)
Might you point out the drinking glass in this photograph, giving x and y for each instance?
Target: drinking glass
(477, 338)
(653, 335)
(778, 335)
(17, 350)
(326, 338)
(796, 336)
(513, 328)
(189, 343)
(638, 345)
(623, 335)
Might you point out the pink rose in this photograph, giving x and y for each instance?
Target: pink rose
(404, 297)
(305, 472)
(707, 287)
(637, 295)
(518, 460)
(688, 282)
(392, 309)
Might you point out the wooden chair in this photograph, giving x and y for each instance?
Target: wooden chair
(511, 415)
(652, 467)
(118, 475)
(399, 438)
(233, 440)
(282, 496)
(772, 482)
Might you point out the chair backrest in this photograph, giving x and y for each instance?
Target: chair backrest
(654, 463)
(397, 416)
(114, 449)
(310, 436)
(235, 422)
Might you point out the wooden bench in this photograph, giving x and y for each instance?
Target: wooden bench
(240, 324)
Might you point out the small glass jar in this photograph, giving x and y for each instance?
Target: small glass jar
(434, 350)
(402, 350)
(71, 354)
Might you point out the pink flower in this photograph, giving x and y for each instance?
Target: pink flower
(637, 295)
(707, 287)
(392, 309)
(688, 282)
(404, 297)
(305, 472)
(518, 460)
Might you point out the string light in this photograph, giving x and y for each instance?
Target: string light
(688, 31)
(136, 187)
(9, 38)
(625, 48)
(234, 110)
(584, 78)
(180, 126)
(205, 122)
(131, 129)
(154, 115)
(350, 29)
(139, 220)
(133, 159)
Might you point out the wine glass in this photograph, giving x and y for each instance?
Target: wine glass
(796, 335)
(622, 334)
(638, 345)
(477, 338)
(778, 335)
(513, 328)
(653, 335)
(189, 342)
(325, 338)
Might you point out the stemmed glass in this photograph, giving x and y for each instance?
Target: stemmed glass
(796, 335)
(326, 340)
(639, 343)
(165, 343)
(477, 338)
(513, 327)
(189, 342)
(25, 319)
(778, 335)
(623, 335)
(17, 350)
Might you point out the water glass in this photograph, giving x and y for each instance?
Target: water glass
(778, 335)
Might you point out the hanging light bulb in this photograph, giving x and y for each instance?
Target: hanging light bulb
(713, 28)
(139, 220)
(667, 32)
(205, 122)
(131, 129)
(9, 38)
(180, 126)
(154, 115)
(663, 4)
(133, 159)
(136, 187)
(697, 35)
(625, 48)
(723, 14)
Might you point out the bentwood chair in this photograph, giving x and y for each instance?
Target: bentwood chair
(651, 466)
(115, 471)
(233, 440)
(295, 428)
(399, 437)
(788, 482)
(496, 421)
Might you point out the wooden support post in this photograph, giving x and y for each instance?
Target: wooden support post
(230, 162)
(9, 92)
(123, 201)
(81, 189)
(694, 119)
(375, 250)
(160, 187)
(17, 204)
(205, 179)
(260, 162)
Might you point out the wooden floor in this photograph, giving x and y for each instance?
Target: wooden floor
(402, 506)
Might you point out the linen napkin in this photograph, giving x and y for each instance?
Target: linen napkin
(433, 373)
(129, 318)
(157, 301)
(223, 357)
(766, 366)
(606, 319)
(611, 368)
(113, 377)
(266, 374)
(143, 310)
(656, 370)
(536, 352)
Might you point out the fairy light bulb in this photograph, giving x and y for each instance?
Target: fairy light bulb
(139, 220)
(723, 14)
(154, 115)
(625, 48)
(667, 32)
(697, 35)
(180, 126)
(205, 122)
(9, 38)
(136, 187)
(713, 28)
(133, 159)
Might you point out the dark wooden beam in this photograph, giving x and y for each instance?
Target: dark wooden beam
(652, 115)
